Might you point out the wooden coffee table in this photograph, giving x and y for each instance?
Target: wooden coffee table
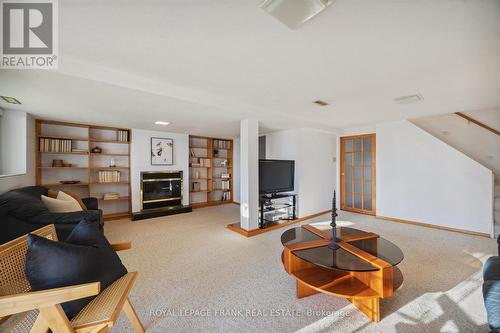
(361, 269)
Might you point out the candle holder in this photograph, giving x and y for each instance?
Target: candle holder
(333, 244)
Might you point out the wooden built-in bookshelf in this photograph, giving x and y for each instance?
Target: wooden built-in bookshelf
(85, 165)
(211, 167)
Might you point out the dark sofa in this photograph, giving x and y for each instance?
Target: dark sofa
(22, 211)
(491, 290)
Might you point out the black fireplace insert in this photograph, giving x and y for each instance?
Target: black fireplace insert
(161, 189)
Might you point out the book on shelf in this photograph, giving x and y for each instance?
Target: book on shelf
(109, 176)
(225, 176)
(226, 196)
(48, 145)
(222, 144)
(222, 184)
(205, 162)
(111, 196)
(195, 187)
(76, 150)
(122, 136)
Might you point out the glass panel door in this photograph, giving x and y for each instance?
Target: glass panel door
(357, 169)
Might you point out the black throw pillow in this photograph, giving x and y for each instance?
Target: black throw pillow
(86, 256)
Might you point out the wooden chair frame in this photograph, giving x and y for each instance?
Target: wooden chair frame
(98, 316)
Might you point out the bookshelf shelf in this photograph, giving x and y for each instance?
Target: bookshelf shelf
(63, 153)
(109, 141)
(116, 199)
(61, 168)
(107, 154)
(212, 149)
(210, 203)
(65, 185)
(62, 137)
(109, 168)
(54, 135)
(116, 216)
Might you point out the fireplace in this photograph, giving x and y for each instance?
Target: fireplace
(161, 194)
(160, 189)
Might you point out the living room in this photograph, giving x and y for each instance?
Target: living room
(308, 165)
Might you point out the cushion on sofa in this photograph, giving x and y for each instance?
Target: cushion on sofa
(491, 294)
(491, 269)
(66, 195)
(19, 204)
(59, 205)
(76, 197)
(52, 193)
(86, 256)
(33, 191)
(498, 243)
(70, 196)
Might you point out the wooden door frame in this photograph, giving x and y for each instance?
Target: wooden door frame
(374, 172)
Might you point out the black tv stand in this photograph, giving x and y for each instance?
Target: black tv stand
(276, 195)
(271, 212)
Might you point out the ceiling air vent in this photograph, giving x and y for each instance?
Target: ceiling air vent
(409, 99)
(10, 100)
(294, 13)
(320, 102)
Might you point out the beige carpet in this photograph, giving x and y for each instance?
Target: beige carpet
(198, 276)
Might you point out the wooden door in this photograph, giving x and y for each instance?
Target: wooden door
(357, 173)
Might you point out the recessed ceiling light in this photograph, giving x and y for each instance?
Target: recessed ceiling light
(163, 123)
(320, 102)
(10, 100)
(409, 99)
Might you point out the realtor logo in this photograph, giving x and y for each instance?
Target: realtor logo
(29, 34)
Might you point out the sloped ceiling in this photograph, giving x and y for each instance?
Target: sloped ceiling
(474, 141)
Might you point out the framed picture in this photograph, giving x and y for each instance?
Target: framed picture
(162, 151)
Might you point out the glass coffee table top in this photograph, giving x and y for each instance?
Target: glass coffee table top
(340, 258)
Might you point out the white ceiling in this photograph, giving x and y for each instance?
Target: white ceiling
(206, 64)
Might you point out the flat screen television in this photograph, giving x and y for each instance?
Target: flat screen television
(276, 176)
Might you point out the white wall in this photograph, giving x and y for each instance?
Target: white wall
(13, 142)
(141, 161)
(420, 178)
(236, 170)
(24, 154)
(315, 170)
